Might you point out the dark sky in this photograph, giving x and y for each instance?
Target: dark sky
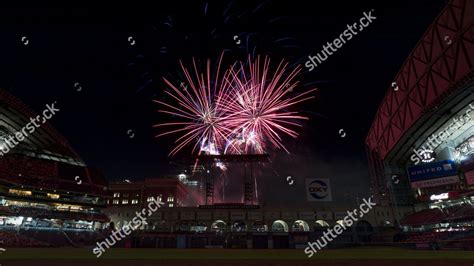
(119, 80)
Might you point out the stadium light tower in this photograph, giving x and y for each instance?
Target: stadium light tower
(247, 161)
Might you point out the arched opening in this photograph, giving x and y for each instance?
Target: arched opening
(259, 226)
(386, 223)
(198, 227)
(363, 226)
(300, 226)
(154, 226)
(145, 225)
(343, 223)
(190, 226)
(163, 226)
(279, 226)
(363, 230)
(321, 223)
(239, 226)
(218, 226)
(182, 226)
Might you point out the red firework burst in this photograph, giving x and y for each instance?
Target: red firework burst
(202, 122)
(241, 113)
(260, 100)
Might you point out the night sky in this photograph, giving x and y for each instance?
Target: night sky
(118, 81)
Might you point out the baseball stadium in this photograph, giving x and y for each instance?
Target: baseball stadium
(55, 209)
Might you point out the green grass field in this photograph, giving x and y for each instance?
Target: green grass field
(364, 253)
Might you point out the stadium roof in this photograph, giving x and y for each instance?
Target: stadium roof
(433, 70)
(44, 143)
(44, 158)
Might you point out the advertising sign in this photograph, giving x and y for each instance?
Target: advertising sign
(469, 178)
(432, 170)
(318, 189)
(436, 182)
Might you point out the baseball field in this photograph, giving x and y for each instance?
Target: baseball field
(224, 257)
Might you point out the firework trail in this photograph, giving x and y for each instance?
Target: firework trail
(259, 101)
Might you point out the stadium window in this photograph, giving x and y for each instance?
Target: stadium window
(171, 205)
(170, 199)
(134, 201)
(149, 199)
(52, 196)
(20, 192)
(125, 195)
(125, 201)
(116, 201)
(116, 195)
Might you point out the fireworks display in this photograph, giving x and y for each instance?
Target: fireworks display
(260, 99)
(202, 123)
(245, 110)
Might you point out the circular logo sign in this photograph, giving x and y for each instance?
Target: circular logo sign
(318, 189)
(427, 156)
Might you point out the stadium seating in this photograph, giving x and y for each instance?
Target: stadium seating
(428, 216)
(12, 239)
(463, 213)
(59, 238)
